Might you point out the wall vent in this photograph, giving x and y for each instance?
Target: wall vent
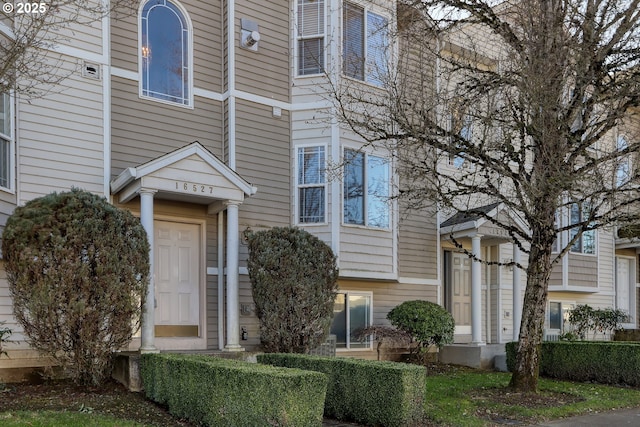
(91, 71)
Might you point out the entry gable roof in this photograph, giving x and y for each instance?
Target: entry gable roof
(179, 171)
(475, 220)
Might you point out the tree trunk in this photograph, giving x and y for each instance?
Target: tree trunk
(525, 374)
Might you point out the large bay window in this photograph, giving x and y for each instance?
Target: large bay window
(366, 189)
(311, 186)
(310, 35)
(6, 140)
(352, 311)
(365, 44)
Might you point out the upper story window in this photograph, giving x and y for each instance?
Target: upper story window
(586, 243)
(462, 126)
(365, 42)
(623, 170)
(165, 52)
(6, 140)
(366, 190)
(311, 184)
(310, 34)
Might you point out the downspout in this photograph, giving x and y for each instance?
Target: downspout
(106, 100)
(231, 82)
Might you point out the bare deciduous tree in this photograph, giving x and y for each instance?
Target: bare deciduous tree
(30, 34)
(517, 104)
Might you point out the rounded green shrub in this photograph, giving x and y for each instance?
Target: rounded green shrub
(78, 269)
(428, 323)
(293, 278)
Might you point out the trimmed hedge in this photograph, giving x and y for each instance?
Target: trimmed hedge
(604, 362)
(365, 391)
(221, 392)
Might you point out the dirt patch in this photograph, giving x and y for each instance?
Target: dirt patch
(112, 399)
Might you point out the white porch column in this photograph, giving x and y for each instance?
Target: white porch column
(147, 338)
(233, 309)
(476, 291)
(517, 294)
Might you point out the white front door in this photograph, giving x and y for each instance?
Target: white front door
(177, 253)
(622, 284)
(461, 292)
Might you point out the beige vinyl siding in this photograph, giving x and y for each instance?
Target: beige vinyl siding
(583, 270)
(263, 159)
(366, 250)
(418, 245)
(207, 21)
(7, 205)
(60, 139)
(606, 261)
(555, 278)
(84, 31)
(270, 64)
(144, 129)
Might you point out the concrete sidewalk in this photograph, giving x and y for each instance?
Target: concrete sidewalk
(623, 417)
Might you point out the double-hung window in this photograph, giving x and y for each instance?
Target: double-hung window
(6, 140)
(365, 45)
(586, 243)
(352, 312)
(165, 52)
(311, 184)
(366, 189)
(310, 33)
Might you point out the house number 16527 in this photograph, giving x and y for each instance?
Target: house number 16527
(194, 188)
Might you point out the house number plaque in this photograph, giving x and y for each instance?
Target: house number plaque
(191, 187)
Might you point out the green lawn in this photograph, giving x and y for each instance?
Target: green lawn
(481, 398)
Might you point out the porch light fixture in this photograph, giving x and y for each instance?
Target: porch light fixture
(249, 35)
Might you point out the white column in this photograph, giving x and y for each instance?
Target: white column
(147, 338)
(517, 294)
(476, 291)
(233, 309)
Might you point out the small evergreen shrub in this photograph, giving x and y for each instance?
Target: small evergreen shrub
(219, 392)
(78, 270)
(365, 391)
(293, 277)
(428, 323)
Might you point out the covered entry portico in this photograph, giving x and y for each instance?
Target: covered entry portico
(464, 272)
(191, 174)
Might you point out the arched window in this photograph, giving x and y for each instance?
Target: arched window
(165, 52)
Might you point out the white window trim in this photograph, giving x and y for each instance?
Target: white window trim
(11, 189)
(297, 186)
(368, 8)
(348, 320)
(390, 203)
(187, 18)
(297, 38)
